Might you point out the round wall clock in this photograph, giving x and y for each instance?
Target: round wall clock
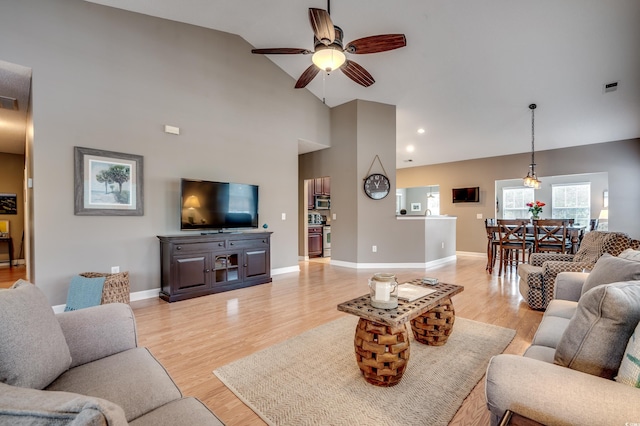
(377, 186)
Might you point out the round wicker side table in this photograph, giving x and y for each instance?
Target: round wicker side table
(382, 352)
(434, 327)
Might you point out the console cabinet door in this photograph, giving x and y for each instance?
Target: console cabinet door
(191, 271)
(256, 263)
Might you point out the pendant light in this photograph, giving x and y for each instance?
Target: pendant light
(531, 180)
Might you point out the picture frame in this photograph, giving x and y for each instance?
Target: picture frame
(8, 203)
(416, 207)
(107, 183)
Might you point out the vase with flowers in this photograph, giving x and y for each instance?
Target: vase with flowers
(535, 208)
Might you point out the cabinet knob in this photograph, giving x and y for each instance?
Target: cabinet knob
(220, 244)
(231, 243)
(179, 248)
(206, 271)
(245, 265)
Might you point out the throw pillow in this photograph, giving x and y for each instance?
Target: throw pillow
(630, 254)
(596, 336)
(610, 269)
(33, 350)
(629, 372)
(84, 293)
(591, 247)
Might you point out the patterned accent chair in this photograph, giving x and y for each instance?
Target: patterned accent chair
(537, 279)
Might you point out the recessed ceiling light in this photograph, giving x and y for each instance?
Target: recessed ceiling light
(421, 130)
(410, 148)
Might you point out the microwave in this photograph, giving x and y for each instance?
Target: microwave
(323, 203)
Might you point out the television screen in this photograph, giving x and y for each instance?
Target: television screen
(217, 205)
(466, 195)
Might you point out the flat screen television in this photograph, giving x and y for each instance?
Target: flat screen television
(217, 205)
(466, 195)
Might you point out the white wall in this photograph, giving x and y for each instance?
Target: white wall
(109, 79)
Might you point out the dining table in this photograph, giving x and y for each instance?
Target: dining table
(574, 234)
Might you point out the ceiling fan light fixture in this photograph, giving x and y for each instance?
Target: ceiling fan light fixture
(328, 59)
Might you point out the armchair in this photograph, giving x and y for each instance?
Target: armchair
(537, 279)
(580, 368)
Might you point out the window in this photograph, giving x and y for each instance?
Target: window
(433, 203)
(515, 202)
(572, 201)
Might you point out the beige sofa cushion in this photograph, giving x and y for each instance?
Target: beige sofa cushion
(33, 350)
(595, 338)
(611, 269)
(110, 378)
(34, 407)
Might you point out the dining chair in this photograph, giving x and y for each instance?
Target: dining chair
(493, 242)
(513, 240)
(551, 236)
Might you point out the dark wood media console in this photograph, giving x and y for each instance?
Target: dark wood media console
(197, 265)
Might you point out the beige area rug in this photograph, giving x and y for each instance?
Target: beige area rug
(313, 378)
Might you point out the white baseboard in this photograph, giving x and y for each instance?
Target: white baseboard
(416, 265)
(286, 270)
(471, 254)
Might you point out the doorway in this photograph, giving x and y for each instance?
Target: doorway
(16, 169)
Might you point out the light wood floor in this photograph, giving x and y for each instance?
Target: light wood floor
(191, 338)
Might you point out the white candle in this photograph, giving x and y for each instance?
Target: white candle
(383, 291)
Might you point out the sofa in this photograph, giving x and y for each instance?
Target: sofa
(82, 367)
(583, 365)
(537, 278)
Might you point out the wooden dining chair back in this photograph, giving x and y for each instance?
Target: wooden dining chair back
(551, 236)
(513, 241)
(493, 242)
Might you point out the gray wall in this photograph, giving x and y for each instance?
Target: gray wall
(110, 79)
(620, 159)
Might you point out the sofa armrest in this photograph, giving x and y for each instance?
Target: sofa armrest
(537, 259)
(25, 406)
(555, 395)
(569, 285)
(97, 332)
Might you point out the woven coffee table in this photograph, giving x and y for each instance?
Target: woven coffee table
(382, 340)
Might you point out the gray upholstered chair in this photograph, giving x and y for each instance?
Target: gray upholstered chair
(537, 278)
(580, 368)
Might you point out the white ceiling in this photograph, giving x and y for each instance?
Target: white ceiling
(469, 70)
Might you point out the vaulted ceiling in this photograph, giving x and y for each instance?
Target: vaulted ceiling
(469, 71)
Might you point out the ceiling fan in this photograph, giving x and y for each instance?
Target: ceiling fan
(329, 54)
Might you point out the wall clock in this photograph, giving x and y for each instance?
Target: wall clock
(377, 186)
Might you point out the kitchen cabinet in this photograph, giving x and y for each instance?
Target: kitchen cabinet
(314, 246)
(197, 265)
(311, 199)
(322, 186)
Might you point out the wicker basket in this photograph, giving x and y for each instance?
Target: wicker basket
(116, 286)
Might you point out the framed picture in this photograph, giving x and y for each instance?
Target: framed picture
(8, 204)
(416, 207)
(107, 183)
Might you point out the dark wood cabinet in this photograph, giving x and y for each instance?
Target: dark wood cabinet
(311, 199)
(315, 241)
(197, 265)
(322, 186)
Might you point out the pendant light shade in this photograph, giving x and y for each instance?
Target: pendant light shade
(531, 180)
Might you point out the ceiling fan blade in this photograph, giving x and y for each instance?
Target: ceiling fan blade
(357, 73)
(307, 76)
(377, 43)
(281, 51)
(322, 26)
